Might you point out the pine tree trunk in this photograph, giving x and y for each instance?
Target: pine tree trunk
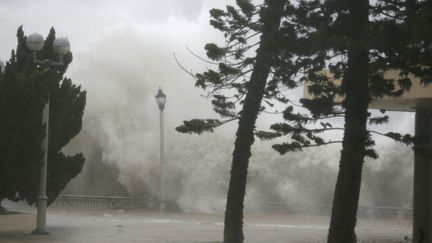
(346, 197)
(233, 231)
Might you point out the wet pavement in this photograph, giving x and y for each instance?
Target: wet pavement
(155, 226)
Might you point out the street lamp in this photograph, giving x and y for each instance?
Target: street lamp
(61, 46)
(160, 100)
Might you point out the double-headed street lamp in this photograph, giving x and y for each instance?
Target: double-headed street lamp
(160, 100)
(61, 47)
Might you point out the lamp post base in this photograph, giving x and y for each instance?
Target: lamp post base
(41, 216)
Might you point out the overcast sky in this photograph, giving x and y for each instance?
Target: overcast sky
(86, 21)
(132, 39)
(123, 47)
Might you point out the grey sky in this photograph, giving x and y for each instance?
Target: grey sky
(118, 38)
(132, 40)
(83, 21)
(125, 48)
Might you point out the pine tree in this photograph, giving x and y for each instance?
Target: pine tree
(245, 132)
(354, 42)
(23, 93)
(247, 76)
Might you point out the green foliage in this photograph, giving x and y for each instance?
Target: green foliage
(312, 39)
(24, 88)
(199, 126)
(315, 40)
(246, 7)
(378, 120)
(226, 83)
(288, 147)
(21, 132)
(214, 52)
(405, 139)
(265, 135)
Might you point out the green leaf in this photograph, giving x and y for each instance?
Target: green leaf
(264, 135)
(287, 147)
(214, 52)
(371, 153)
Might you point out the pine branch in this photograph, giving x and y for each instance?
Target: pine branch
(296, 147)
(182, 67)
(199, 57)
(199, 126)
(378, 120)
(406, 139)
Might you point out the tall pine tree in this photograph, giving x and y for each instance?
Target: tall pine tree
(271, 18)
(241, 80)
(356, 42)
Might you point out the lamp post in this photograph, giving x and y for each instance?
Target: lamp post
(61, 47)
(160, 100)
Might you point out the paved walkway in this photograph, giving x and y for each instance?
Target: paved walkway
(146, 226)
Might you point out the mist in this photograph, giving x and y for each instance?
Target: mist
(123, 51)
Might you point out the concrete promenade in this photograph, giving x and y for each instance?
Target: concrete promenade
(152, 226)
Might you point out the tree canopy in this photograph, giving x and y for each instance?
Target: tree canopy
(355, 43)
(24, 89)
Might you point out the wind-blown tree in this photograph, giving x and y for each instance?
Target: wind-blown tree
(23, 92)
(240, 80)
(355, 42)
(327, 41)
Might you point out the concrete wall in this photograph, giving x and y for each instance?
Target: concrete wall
(419, 96)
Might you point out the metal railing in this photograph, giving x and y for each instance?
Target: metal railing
(115, 202)
(85, 201)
